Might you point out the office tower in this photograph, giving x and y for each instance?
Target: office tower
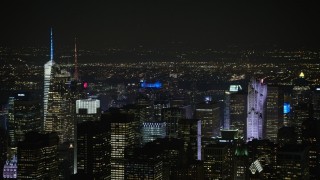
(58, 100)
(172, 116)
(257, 95)
(24, 116)
(144, 163)
(3, 149)
(93, 148)
(217, 161)
(209, 114)
(238, 111)
(292, 162)
(37, 156)
(171, 153)
(152, 131)
(10, 168)
(274, 113)
(189, 130)
(59, 119)
(141, 113)
(232, 89)
(122, 138)
(301, 104)
(87, 110)
(262, 156)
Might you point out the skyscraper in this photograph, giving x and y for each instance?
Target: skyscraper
(47, 82)
(301, 102)
(58, 100)
(274, 114)
(86, 110)
(257, 95)
(24, 113)
(37, 156)
(58, 117)
(122, 138)
(238, 109)
(94, 149)
(209, 114)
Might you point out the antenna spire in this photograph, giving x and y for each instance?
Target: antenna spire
(51, 46)
(76, 75)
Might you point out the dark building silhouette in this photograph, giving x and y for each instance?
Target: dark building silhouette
(3, 149)
(292, 162)
(37, 156)
(93, 144)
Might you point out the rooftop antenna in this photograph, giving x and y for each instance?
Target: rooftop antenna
(51, 47)
(76, 75)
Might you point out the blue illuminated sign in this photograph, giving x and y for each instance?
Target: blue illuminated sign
(286, 108)
(156, 85)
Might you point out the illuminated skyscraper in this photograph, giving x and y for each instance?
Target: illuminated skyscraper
(257, 95)
(47, 81)
(59, 118)
(122, 138)
(86, 110)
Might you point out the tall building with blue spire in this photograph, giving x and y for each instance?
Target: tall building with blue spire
(47, 79)
(58, 115)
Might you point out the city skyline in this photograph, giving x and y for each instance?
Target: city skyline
(140, 90)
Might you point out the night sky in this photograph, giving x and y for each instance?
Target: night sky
(99, 24)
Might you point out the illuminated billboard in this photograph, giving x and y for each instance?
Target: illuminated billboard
(286, 108)
(156, 85)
